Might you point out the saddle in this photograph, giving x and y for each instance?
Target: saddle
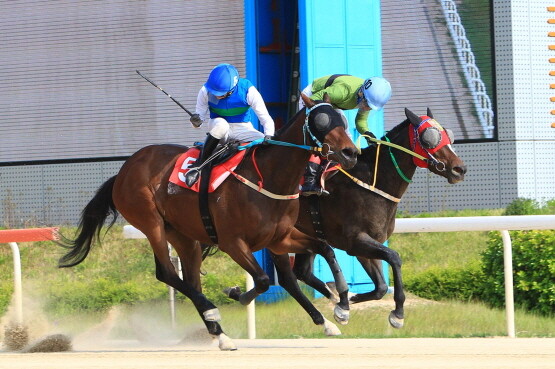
(225, 159)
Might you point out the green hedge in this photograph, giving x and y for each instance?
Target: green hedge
(533, 270)
(463, 283)
(533, 274)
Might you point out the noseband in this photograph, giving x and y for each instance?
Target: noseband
(307, 131)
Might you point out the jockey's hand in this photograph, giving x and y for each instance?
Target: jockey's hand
(370, 142)
(195, 120)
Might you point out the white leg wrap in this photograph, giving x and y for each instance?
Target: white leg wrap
(225, 343)
(212, 315)
(341, 316)
(331, 329)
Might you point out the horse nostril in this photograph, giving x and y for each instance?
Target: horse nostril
(459, 170)
(349, 152)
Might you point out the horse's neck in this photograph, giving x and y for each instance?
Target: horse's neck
(283, 166)
(388, 178)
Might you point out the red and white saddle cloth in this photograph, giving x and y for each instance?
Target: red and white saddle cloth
(219, 173)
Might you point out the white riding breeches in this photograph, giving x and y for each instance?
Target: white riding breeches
(243, 132)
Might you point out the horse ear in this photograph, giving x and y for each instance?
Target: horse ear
(429, 113)
(327, 98)
(413, 118)
(308, 102)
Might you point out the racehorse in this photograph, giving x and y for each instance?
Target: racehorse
(359, 214)
(244, 219)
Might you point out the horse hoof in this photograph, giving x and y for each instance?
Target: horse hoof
(233, 292)
(331, 329)
(225, 343)
(340, 315)
(212, 315)
(396, 322)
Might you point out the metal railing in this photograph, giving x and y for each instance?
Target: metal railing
(504, 224)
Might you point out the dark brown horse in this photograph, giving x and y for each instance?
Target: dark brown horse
(244, 219)
(358, 219)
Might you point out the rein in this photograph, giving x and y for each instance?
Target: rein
(259, 187)
(372, 187)
(306, 129)
(266, 140)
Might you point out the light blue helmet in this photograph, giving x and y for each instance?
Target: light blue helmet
(222, 79)
(377, 92)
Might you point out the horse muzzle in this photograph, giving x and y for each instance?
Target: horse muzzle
(456, 174)
(347, 157)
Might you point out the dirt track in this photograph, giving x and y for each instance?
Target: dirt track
(476, 353)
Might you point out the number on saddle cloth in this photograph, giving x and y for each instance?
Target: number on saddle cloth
(226, 161)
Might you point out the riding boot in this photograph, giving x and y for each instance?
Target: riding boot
(311, 185)
(192, 175)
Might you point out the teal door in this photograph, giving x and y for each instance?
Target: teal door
(342, 36)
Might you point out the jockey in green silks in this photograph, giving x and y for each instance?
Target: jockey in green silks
(346, 92)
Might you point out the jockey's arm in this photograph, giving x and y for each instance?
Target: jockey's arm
(254, 99)
(202, 104)
(361, 121)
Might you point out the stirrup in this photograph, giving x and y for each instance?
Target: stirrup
(315, 191)
(191, 177)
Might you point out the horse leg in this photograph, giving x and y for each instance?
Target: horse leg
(303, 267)
(190, 255)
(365, 246)
(288, 281)
(300, 241)
(373, 268)
(243, 256)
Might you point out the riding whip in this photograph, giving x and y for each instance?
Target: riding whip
(174, 100)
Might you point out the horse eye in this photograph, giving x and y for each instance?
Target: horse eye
(322, 121)
(430, 138)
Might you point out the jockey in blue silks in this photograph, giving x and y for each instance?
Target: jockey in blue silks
(226, 102)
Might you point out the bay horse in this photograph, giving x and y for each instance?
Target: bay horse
(244, 219)
(359, 214)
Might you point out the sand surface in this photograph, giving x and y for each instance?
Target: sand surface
(426, 353)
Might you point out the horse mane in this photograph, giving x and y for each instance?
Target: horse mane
(289, 122)
(368, 152)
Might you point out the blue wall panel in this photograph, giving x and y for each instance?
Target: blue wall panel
(335, 36)
(342, 36)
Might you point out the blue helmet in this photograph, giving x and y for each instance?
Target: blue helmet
(222, 79)
(377, 92)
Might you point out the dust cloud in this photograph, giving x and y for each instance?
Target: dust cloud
(143, 324)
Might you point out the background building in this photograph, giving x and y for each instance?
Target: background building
(73, 107)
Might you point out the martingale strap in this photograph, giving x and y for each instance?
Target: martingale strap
(369, 187)
(263, 191)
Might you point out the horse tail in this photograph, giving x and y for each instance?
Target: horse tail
(92, 219)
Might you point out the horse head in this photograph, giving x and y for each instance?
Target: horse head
(326, 128)
(429, 139)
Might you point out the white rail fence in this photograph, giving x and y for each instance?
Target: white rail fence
(504, 224)
(12, 237)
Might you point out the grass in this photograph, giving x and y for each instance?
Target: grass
(421, 251)
(119, 264)
(286, 319)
